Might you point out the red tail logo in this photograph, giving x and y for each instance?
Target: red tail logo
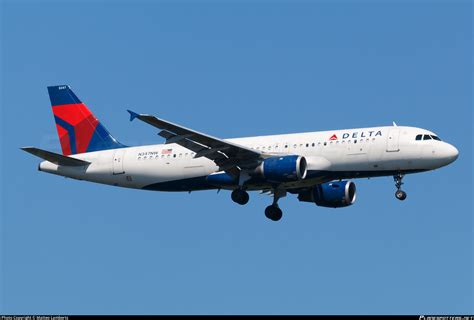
(333, 137)
(78, 129)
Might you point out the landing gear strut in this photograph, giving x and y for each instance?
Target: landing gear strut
(240, 196)
(273, 212)
(399, 194)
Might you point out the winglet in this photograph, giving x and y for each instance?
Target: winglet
(133, 115)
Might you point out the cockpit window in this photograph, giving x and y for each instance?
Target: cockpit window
(427, 137)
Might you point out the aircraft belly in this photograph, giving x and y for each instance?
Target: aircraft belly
(145, 173)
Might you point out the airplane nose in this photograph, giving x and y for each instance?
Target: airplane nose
(451, 153)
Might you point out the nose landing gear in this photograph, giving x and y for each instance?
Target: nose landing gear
(399, 194)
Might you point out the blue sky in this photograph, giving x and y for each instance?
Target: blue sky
(236, 69)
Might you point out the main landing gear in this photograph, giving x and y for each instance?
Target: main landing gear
(273, 212)
(240, 196)
(399, 194)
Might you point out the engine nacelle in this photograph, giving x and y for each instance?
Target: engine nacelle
(336, 194)
(283, 168)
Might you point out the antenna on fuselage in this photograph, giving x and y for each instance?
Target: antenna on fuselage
(394, 124)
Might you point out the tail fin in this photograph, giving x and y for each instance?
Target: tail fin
(79, 130)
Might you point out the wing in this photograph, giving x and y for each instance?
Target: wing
(228, 156)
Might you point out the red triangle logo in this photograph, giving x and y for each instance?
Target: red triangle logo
(333, 137)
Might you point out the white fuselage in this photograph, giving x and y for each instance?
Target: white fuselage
(331, 155)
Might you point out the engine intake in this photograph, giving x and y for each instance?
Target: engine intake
(335, 194)
(283, 169)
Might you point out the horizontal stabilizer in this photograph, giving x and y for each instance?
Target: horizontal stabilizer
(55, 157)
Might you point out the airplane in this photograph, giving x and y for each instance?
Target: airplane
(315, 166)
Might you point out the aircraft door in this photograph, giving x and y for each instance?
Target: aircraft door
(118, 161)
(393, 140)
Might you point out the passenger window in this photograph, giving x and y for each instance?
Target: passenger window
(312, 144)
(286, 146)
(427, 137)
(325, 143)
(418, 137)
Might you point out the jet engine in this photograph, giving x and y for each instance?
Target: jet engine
(283, 168)
(336, 194)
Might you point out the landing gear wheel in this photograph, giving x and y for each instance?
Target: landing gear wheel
(273, 213)
(240, 196)
(401, 195)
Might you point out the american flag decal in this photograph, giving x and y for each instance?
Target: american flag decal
(166, 151)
